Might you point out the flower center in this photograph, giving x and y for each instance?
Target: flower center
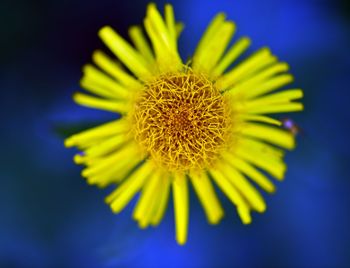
(181, 120)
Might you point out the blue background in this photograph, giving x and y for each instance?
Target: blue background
(49, 217)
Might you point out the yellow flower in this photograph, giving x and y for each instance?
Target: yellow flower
(200, 122)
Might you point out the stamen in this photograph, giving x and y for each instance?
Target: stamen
(181, 120)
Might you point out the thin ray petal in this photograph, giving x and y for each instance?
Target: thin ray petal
(126, 191)
(102, 131)
(102, 104)
(181, 207)
(114, 69)
(141, 43)
(258, 60)
(95, 77)
(210, 32)
(207, 197)
(214, 48)
(126, 53)
(252, 173)
(270, 134)
(142, 211)
(164, 192)
(245, 188)
(231, 192)
(232, 54)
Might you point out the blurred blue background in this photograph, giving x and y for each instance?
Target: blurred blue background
(49, 217)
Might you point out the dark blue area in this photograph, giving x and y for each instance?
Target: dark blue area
(49, 217)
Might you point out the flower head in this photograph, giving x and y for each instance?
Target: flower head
(201, 122)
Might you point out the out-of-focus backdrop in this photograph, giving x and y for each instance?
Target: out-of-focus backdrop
(49, 216)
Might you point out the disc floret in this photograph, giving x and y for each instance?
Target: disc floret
(181, 120)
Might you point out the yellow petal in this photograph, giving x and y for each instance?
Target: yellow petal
(245, 188)
(207, 196)
(168, 58)
(244, 214)
(132, 59)
(179, 28)
(96, 151)
(115, 70)
(141, 43)
(252, 173)
(270, 85)
(246, 87)
(159, 26)
(232, 54)
(270, 134)
(214, 49)
(277, 108)
(96, 133)
(98, 165)
(115, 173)
(260, 118)
(262, 147)
(162, 200)
(171, 24)
(258, 158)
(258, 60)
(276, 98)
(103, 104)
(231, 192)
(126, 191)
(143, 211)
(107, 146)
(97, 89)
(181, 207)
(94, 77)
(216, 23)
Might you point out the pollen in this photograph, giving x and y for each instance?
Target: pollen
(182, 121)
